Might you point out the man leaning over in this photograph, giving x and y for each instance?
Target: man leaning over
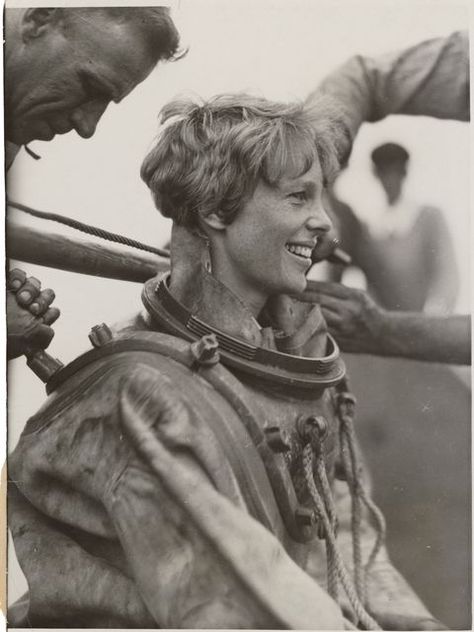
(62, 69)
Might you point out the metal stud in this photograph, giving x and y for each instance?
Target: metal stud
(100, 335)
(305, 517)
(206, 350)
(277, 438)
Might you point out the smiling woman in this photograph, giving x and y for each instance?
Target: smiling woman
(255, 191)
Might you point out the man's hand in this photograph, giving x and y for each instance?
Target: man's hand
(29, 314)
(353, 318)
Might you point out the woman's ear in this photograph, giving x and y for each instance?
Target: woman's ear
(212, 221)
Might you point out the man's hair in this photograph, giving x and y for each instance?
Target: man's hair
(389, 155)
(153, 24)
(211, 156)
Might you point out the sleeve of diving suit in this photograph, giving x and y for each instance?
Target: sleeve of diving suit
(199, 559)
(390, 599)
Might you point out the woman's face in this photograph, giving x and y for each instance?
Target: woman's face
(266, 250)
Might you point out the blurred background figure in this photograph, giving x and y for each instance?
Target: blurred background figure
(405, 249)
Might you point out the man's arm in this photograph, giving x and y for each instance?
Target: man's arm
(361, 326)
(430, 79)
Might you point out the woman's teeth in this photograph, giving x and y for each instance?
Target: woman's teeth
(302, 251)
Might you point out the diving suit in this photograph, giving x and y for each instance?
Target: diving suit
(198, 469)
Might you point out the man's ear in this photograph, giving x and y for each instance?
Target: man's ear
(37, 21)
(213, 221)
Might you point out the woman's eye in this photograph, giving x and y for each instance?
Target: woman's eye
(299, 196)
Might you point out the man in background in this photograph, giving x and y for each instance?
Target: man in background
(405, 250)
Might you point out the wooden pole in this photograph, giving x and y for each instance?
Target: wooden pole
(111, 261)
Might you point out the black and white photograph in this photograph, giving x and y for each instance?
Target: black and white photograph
(238, 327)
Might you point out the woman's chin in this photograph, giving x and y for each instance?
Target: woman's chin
(295, 287)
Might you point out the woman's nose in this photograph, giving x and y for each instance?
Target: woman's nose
(318, 220)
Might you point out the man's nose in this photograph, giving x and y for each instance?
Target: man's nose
(318, 220)
(86, 117)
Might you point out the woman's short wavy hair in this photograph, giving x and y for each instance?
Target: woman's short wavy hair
(210, 156)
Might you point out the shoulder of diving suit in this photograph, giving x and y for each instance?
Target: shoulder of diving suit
(178, 406)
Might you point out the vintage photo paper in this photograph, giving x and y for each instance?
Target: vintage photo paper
(238, 314)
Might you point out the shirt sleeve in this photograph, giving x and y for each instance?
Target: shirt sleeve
(430, 79)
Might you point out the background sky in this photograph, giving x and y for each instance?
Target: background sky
(277, 49)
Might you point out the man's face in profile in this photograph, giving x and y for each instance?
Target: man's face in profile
(73, 73)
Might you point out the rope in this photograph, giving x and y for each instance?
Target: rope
(377, 515)
(332, 515)
(364, 618)
(356, 514)
(353, 470)
(90, 230)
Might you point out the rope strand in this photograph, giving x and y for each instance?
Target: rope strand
(377, 515)
(363, 616)
(356, 514)
(90, 230)
(332, 516)
(353, 470)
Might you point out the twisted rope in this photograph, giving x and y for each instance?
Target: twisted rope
(364, 618)
(332, 516)
(353, 471)
(90, 230)
(380, 525)
(356, 514)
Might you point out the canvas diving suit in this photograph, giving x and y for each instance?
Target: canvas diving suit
(199, 470)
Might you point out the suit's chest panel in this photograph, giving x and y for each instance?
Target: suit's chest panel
(288, 421)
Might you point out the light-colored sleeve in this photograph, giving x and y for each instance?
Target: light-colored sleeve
(199, 559)
(430, 79)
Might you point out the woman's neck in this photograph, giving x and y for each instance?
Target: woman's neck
(253, 298)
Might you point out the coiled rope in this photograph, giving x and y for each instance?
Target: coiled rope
(89, 230)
